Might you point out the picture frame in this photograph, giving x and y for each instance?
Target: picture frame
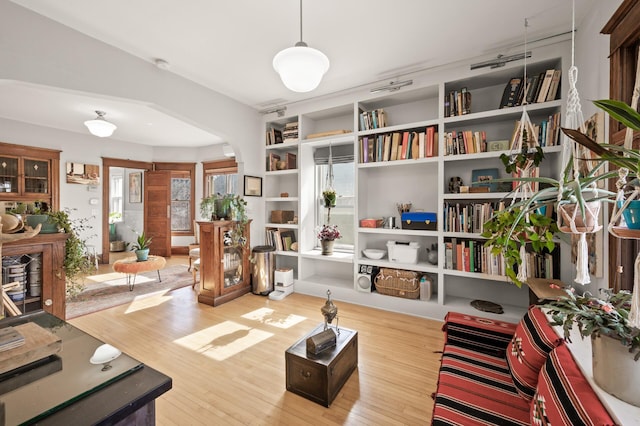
(135, 187)
(483, 178)
(252, 186)
(83, 174)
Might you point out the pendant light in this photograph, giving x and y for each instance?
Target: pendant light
(301, 67)
(99, 126)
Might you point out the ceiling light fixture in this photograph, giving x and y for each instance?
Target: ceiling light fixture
(301, 67)
(501, 60)
(99, 126)
(392, 86)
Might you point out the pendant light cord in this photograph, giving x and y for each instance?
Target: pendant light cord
(300, 20)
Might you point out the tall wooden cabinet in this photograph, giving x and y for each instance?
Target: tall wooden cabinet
(42, 258)
(224, 265)
(29, 174)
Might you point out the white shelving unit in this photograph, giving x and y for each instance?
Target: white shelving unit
(422, 182)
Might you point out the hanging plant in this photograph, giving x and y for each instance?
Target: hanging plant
(329, 195)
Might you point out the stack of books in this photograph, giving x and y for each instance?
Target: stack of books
(290, 132)
(375, 119)
(10, 338)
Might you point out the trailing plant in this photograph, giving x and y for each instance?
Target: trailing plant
(76, 262)
(593, 316)
(229, 207)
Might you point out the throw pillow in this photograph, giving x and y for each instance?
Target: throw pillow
(564, 396)
(528, 350)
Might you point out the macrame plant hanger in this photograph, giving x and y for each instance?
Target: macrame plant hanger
(525, 138)
(616, 224)
(328, 185)
(571, 152)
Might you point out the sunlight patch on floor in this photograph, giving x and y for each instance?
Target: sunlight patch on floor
(271, 317)
(117, 278)
(223, 340)
(149, 300)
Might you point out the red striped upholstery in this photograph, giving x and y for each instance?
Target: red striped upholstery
(564, 397)
(528, 350)
(481, 334)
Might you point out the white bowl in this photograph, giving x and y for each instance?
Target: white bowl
(374, 253)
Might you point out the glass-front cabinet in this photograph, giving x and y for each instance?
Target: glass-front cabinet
(224, 263)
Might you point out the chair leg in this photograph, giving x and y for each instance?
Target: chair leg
(189, 269)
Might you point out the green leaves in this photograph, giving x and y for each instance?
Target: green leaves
(621, 112)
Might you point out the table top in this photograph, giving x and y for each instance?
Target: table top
(342, 339)
(134, 260)
(68, 383)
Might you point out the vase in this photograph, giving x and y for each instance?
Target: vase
(615, 370)
(48, 227)
(142, 255)
(327, 247)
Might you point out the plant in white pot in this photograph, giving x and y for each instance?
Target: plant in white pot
(615, 341)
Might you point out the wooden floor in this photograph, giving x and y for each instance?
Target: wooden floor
(227, 363)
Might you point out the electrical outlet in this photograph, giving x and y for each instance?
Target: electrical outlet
(94, 212)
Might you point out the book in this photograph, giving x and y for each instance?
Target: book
(10, 338)
(395, 145)
(531, 90)
(403, 148)
(291, 161)
(510, 93)
(555, 84)
(544, 87)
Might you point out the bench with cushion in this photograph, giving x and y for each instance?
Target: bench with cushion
(499, 373)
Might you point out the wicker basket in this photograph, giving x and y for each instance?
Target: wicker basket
(396, 282)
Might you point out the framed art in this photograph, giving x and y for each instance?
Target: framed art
(253, 186)
(84, 174)
(483, 177)
(135, 187)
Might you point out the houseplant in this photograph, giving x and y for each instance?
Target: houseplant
(141, 246)
(329, 197)
(615, 342)
(227, 207)
(327, 234)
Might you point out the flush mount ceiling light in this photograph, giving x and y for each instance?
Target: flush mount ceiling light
(301, 67)
(99, 126)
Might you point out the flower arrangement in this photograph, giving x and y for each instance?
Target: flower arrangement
(595, 316)
(328, 232)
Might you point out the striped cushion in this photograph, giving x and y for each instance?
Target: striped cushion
(564, 397)
(528, 350)
(481, 334)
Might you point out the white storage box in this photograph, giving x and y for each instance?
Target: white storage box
(403, 252)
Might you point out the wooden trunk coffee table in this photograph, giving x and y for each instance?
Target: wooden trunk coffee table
(319, 378)
(132, 267)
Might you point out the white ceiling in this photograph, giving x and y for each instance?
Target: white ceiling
(228, 46)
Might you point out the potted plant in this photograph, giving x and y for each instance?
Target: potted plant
(615, 343)
(329, 196)
(327, 234)
(229, 207)
(141, 247)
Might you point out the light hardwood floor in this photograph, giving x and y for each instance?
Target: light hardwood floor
(228, 368)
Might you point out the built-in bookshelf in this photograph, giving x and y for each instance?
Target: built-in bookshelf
(403, 143)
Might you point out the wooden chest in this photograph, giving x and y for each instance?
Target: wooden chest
(320, 378)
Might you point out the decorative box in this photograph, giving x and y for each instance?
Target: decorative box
(403, 252)
(281, 216)
(371, 223)
(419, 220)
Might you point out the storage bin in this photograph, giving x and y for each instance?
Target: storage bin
(396, 282)
(281, 216)
(425, 221)
(403, 252)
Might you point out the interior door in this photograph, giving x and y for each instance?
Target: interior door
(157, 211)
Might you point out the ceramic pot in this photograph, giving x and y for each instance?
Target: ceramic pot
(615, 370)
(327, 247)
(142, 255)
(48, 227)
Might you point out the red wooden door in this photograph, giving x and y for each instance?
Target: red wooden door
(157, 211)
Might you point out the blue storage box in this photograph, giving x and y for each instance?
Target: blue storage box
(419, 220)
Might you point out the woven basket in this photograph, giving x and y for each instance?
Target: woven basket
(396, 282)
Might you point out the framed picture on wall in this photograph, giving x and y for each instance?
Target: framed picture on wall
(135, 187)
(253, 186)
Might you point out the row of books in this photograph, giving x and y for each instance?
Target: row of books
(474, 256)
(286, 161)
(290, 132)
(398, 146)
(281, 239)
(469, 217)
(375, 119)
(274, 136)
(535, 88)
(548, 131)
(457, 102)
(465, 142)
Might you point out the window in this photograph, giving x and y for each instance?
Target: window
(220, 177)
(182, 196)
(115, 199)
(344, 183)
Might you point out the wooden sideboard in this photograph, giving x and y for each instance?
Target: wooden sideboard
(224, 267)
(53, 288)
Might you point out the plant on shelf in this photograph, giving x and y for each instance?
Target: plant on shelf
(76, 261)
(227, 207)
(141, 246)
(327, 234)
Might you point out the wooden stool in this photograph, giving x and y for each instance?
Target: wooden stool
(131, 266)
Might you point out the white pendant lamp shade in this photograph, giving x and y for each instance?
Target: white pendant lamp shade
(99, 126)
(301, 67)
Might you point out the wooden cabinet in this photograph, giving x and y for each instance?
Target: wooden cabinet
(29, 174)
(42, 257)
(224, 265)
